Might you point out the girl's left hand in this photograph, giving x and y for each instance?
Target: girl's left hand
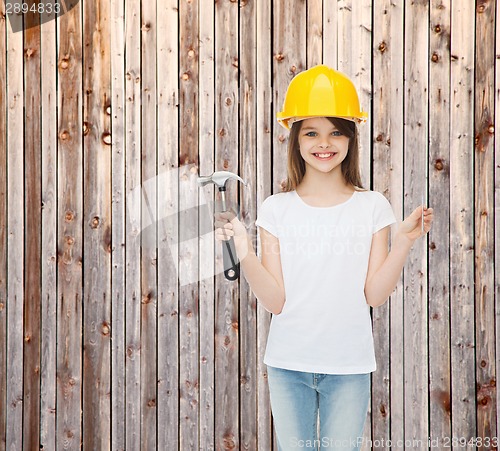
(411, 227)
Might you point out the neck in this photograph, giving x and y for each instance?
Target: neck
(320, 182)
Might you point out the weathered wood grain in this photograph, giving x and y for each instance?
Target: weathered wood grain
(207, 241)
(415, 284)
(96, 226)
(116, 109)
(189, 358)
(463, 392)
(48, 351)
(396, 143)
(3, 228)
(380, 412)
(32, 243)
(439, 192)
(149, 218)
(247, 328)
(168, 296)
(314, 32)
(133, 296)
(484, 285)
(70, 232)
(227, 340)
(15, 241)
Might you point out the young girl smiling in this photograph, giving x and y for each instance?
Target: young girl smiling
(324, 262)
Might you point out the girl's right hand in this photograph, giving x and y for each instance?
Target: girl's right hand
(228, 226)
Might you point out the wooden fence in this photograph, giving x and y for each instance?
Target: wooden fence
(107, 116)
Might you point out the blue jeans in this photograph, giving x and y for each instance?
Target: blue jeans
(297, 397)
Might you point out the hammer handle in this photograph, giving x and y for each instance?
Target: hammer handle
(231, 263)
(229, 258)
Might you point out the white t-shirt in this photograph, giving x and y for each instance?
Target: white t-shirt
(325, 324)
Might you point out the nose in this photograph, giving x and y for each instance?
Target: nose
(324, 144)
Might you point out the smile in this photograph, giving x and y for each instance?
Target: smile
(325, 156)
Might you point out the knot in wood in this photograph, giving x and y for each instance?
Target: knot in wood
(435, 58)
(382, 47)
(64, 63)
(64, 135)
(491, 129)
(481, 8)
(438, 165)
(69, 216)
(279, 57)
(106, 138)
(95, 222)
(185, 76)
(152, 403)
(108, 110)
(105, 328)
(379, 138)
(86, 128)
(70, 240)
(190, 53)
(281, 138)
(437, 28)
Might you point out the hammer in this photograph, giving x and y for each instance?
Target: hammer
(231, 264)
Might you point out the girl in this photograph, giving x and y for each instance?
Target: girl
(324, 262)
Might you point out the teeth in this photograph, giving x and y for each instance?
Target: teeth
(323, 155)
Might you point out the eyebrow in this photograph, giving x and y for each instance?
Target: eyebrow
(314, 128)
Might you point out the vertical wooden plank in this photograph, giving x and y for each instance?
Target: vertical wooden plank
(497, 200)
(3, 227)
(330, 33)
(396, 143)
(207, 242)
(149, 292)
(265, 123)
(380, 406)
(133, 225)
(97, 226)
(32, 189)
(314, 32)
(360, 55)
(69, 203)
(248, 302)
(289, 60)
(15, 237)
(484, 221)
(227, 293)
(463, 415)
(118, 223)
(168, 342)
(48, 70)
(188, 226)
(415, 153)
(439, 195)
(344, 37)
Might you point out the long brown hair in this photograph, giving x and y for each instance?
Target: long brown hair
(349, 166)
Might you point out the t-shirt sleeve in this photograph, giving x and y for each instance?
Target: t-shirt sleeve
(266, 216)
(383, 213)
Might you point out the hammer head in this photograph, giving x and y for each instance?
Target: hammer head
(219, 178)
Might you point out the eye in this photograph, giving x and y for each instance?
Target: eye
(336, 133)
(311, 134)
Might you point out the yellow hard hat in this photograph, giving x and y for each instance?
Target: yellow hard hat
(320, 91)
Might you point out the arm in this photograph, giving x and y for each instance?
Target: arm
(265, 279)
(385, 269)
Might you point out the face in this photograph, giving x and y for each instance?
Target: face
(322, 146)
